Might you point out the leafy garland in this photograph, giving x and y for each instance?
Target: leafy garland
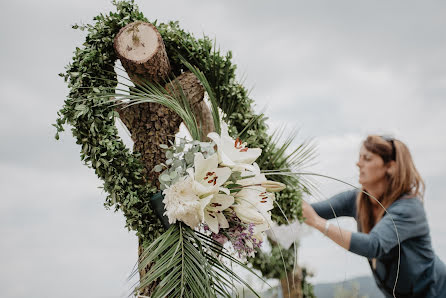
(92, 71)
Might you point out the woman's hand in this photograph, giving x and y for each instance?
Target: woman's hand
(309, 214)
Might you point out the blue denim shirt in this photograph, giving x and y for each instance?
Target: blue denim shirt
(421, 272)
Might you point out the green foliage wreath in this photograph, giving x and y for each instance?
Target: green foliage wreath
(92, 70)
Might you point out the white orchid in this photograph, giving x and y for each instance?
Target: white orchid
(208, 177)
(212, 211)
(232, 153)
(181, 203)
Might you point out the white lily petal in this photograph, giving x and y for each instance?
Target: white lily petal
(212, 221)
(248, 215)
(225, 190)
(224, 201)
(224, 159)
(214, 137)
(222, 221)
(201, 189)
(223, 175)
(200, 165)
(203, 204)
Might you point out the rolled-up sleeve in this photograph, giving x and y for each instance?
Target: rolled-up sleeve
(342, 204)
(405, 219)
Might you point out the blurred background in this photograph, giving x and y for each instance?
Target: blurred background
(337, 70)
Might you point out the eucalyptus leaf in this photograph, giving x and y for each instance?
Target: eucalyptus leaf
(158, 168)
(189, 157)
(165, 178)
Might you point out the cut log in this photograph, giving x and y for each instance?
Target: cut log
(141, 50)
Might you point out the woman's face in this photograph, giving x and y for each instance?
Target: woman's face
(372, 170)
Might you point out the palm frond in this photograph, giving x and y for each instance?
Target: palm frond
(276, 155)
(187, 263)
(145, 91)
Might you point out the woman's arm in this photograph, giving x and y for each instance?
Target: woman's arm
(342, 204)
(406, 219)
(340, 236)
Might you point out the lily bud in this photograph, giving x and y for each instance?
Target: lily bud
(273, 186)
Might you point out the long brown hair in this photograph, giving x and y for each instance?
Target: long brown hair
(404, 180)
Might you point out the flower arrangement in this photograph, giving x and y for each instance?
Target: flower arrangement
(182, 261)
(221, 191)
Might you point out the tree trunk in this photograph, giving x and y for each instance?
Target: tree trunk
(295, 285)
(141, 50)
(190, 86)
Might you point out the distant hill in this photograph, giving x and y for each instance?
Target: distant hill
(367, 288)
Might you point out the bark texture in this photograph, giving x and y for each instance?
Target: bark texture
(188, 85)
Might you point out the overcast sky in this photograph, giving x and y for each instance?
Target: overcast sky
(337, 70)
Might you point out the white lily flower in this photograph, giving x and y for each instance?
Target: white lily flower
(252, 176)
(208, 177)
(253, 201)
(253, 193)
(212, 211)
(247, 214)
(232, 152)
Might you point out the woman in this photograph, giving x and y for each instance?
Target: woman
(389, 179)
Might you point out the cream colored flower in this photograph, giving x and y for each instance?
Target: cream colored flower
(233, 152)
(253, 205)
(208, 177)
(213, 207)
(181, 203)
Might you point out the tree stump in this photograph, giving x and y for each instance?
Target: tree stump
(141, 50)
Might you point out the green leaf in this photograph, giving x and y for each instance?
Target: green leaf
(183, 262)
(165, 177)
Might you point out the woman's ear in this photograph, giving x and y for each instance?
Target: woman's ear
(391, 167)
